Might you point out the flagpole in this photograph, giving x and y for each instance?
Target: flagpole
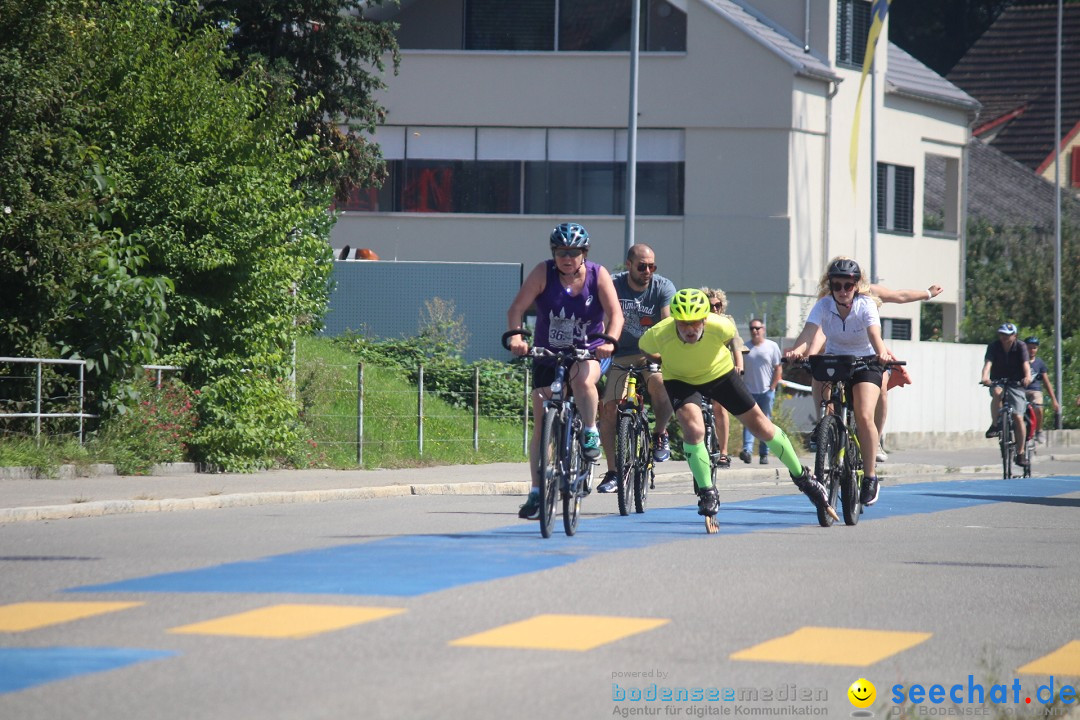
(873, 173)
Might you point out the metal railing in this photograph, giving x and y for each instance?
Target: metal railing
(39, 414)
(78, 400)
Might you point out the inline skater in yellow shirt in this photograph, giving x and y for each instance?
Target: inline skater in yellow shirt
(692, 344)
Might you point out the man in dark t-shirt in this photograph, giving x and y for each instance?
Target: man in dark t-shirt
(1007, 359)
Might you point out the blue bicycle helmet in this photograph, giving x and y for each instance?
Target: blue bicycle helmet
(570, 235)
(1007, 329)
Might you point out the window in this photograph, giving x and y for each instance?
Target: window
(517, 25)
(941, 195)
(895, 198)
(541, 25)
(895, 328)
(852, 28)
(533, 171)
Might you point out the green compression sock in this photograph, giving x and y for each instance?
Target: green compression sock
(781, 447)
(698, 459)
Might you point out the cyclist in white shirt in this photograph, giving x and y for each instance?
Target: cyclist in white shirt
(848, 318)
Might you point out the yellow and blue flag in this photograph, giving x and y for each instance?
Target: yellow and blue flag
(878, 10)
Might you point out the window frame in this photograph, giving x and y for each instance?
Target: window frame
(895, 205)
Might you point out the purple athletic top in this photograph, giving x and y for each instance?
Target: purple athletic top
(564, 320)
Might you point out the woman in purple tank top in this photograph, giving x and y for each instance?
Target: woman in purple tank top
(574, 298)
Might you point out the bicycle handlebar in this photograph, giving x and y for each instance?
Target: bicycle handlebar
(528, 334)
(1003, 382)
(856, 362)
(650, 366)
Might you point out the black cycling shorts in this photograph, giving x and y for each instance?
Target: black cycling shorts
(543, 374)
(728, 390)
(872, 374)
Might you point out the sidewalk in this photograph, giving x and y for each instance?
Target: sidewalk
(180, 488)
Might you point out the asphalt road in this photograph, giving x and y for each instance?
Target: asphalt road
(449, 607)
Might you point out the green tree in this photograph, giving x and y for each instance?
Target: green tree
(160, 212)
(1010, 277)
(45, 199)
(322, 51)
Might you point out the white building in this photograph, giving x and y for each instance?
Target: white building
(509, 117)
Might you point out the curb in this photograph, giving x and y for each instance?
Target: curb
(125, 507)
(726, 480)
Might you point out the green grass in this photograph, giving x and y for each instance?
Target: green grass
(46, 457)
(327, 387)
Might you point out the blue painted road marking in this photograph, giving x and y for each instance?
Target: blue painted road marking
(21, 668)
(419, 564)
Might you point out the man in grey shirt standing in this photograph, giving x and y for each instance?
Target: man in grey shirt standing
(644, 297)
(762, 376)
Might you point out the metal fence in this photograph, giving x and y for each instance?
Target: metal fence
(36, 389)
(430, 422)
(33, 390)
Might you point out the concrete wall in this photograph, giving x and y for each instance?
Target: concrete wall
(944, 396)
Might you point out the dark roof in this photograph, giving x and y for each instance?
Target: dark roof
(1001, 191)
(1011, 70)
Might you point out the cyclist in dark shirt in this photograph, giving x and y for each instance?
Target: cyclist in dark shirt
(1007, 359)
(1040, 382)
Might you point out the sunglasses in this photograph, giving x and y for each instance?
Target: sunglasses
(642, 267)
(718, 306)
(837, 287)
(757, 327)
(572, 253)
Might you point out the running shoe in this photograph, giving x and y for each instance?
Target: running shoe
(531, 509)
(590, 443)
(610, 483)
(869, 493)
(661, 448)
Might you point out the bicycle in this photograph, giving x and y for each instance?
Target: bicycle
(562, 465)
(838, 461)
(633, 445)
(1004, 422)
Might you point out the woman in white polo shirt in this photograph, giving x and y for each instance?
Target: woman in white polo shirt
(847, 315)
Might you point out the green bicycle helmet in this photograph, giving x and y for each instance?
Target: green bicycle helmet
(690, 305)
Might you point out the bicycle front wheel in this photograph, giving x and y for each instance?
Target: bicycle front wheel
(576, 466)
(550, 467)
(625, 456)
(643, 468)
(1006, 443)
(571, 497)
(827, 462)
(849, 483)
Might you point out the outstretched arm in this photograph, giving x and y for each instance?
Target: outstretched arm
(905, 296)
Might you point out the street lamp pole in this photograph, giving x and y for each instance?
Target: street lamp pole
(631, 127)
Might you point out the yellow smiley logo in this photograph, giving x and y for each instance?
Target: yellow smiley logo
(862, 693)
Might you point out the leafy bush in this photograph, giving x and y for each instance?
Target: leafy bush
(248, 422)
(156, 429)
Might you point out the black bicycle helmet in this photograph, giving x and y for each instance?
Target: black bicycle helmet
(570, 235)
(845, 267)
(1031, 340)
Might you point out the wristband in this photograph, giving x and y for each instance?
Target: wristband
(929, 295)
